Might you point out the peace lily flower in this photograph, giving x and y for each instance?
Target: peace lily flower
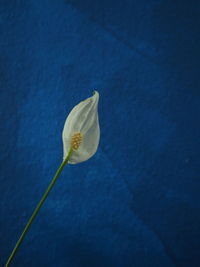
(81, 130)
(80, 141)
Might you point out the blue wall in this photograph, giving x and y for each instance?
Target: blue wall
(136, 202)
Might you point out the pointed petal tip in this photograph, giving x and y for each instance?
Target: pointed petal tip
(95, 95)
(95, 92)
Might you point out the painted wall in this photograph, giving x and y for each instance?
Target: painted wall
(136, 202)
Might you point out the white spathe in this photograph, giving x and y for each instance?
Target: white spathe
(82, 119)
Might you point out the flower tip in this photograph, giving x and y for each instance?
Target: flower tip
(95, 92)
(95, 95)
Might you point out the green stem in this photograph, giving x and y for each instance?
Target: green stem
(38, 208)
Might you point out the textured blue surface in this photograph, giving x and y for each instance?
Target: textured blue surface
(136, 202)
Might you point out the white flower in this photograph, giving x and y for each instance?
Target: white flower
(81, 130)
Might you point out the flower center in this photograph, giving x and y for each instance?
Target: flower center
(76, 140)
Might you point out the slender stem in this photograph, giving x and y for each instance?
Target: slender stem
(38, 208)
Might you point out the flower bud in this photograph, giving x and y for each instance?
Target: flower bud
(81, 130)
